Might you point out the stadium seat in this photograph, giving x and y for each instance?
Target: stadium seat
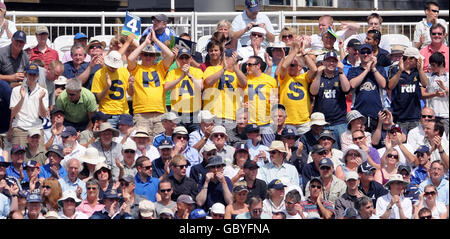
(202, 42)
(399, 39)
(63, 43)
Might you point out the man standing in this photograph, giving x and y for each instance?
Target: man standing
(438, 35)
(13, 59)
(422, 29)
(367, 80)
(42, 51)
(47, 77)
(162, 32)
(29, 103)
(249, 18)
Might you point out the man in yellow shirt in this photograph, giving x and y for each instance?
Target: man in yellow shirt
(186, 84)
(224, 86)
(260, 93)
(148, 91)
(294, 87)
(110, 86)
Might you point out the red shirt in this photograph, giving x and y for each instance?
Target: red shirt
(48, 56)
(428, 51)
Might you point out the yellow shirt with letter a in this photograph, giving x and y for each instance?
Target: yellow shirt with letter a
(294, 95)
(223, 98)
(115, 100)
(258, 93)
(184, 98)
(149, 93)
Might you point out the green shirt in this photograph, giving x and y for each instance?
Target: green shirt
(77, 113)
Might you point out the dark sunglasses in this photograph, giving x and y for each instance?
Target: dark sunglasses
(165, 190)
(358, 138)
(432, 193)
(210, 153)
(148, 54)
(293, 65)
(427, 116)
(419, 154)
(437, 33)
(322, 153)
(365, 52)
(325, 168)
(354, 154)
(287, 36)
(181, 166)
(257, 35)
(95, 46)
(182, 137)
(289, 203)
(392, 156)
(217, 215)
(184, 57)
(257, 210)
(435, 11)
(46, 187)
(217, 135)
(316, 186)
(252, 64)
(371, 172)
(148, 167)
(129, 151)
(91, 188)
(216, 166)
(426, 217)
(273, 152)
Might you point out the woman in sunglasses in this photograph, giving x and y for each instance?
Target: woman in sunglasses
(51, 191)
(389, 166)
(428, 199)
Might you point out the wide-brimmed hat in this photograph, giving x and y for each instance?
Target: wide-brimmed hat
(141, 132)
(280, 45)
(396, 178)
(106, 126)
(114, 59)
(327, 133)
(69, 194)
(318, 118)
(91, 156)
(94, 41)
(100, 166)
(277, 145)
(354, 114)
(151, 49)
(412, 52)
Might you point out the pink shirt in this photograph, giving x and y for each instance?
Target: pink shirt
(85, 208)
(428, 51)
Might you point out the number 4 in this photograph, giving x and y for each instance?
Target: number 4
(132, 25)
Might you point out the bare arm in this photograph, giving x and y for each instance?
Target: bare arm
(355, 82)
(315, 85)
(102, 94)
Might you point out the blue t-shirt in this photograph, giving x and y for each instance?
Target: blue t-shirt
(367, 97)
(166, 35)
(12, 172)
(330, 100)
(47, 173)
(147, 189)
(406, 96)
(215, 192)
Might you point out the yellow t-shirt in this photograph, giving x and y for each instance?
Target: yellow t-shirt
(184, 98)
(223, 98)
(115, 100)
(258, 93)
(294, 95)
(149, 93)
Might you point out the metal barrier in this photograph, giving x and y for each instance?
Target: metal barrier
(199, 24)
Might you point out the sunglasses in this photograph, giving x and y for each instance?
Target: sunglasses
(392, 156)
(287, 36)
(316, 186)
(322, 153)
(148, 54)
(426, 217)
(427, 116)
(325, 168)
(91, 188)
(94, 46)
(210, 153)
(432, 193)
(182, 137)
(435, 11)
(184, 57)
(181, 166)
(365, 52)
(165, 190)
(326, 138)
(273, 152)
(129, 151)
(293, 65)
(46, 187)
(289, 203)
(358, 138)
(420, 155)
(217, 135)
(257, 210)
(216, 166)
(354, 154)
(371, 172)
(148, 167)
(217, 215)
(290, 137)
(104, 170)
(437, 33)
(252, 64)
(257, 35)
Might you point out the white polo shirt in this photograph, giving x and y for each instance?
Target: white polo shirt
(241, 21)
(28, 116)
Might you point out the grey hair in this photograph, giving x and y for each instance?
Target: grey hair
(254, 200)
(73, 84)
(361, 202)
(77, 46)
(92, 181)
(294, 195)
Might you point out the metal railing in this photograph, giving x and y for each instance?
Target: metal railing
(199, 24)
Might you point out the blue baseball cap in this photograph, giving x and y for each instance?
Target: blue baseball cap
(365, 46)
(80, 35)
(20, 36)
(241, 146)
(325, 162)
(99, 116)
(16, 148)
(184, 51)
(198, 214)
(330, 54)
(34, 197)
(126, 119)
(276, 184)
(32, 69)
(422, 149)
(69, 131)
(252, 5)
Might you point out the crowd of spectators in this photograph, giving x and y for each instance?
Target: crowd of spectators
(265, 126)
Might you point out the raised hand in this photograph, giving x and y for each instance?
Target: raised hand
(108, 80)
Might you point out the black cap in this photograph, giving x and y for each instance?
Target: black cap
(365, 167)
(251, 128)
(354, 43)
(241, 146)
(250, 164)
(318, 179)
(289, 131)
(317, 148)
(56, 110)
(404, 167)
(99, 116)
(55, 149)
